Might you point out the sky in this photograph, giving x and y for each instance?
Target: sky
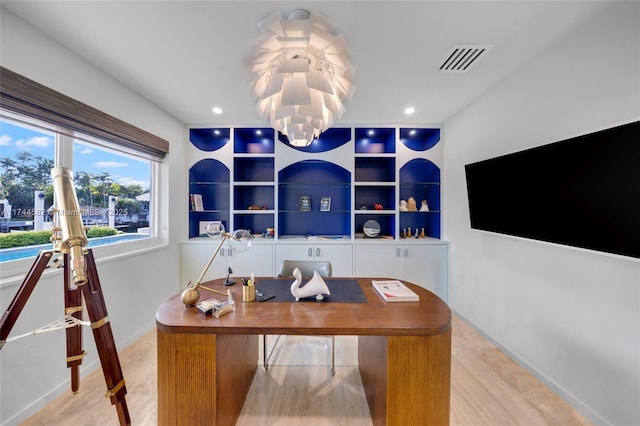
(123, 169)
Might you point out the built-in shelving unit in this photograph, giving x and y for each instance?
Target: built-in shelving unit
(317, 200)
(247, 187)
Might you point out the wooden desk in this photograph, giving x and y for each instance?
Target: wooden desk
(206, 364)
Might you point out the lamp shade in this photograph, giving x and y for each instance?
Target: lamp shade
(302, 74)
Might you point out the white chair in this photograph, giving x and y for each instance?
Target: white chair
(306, 267)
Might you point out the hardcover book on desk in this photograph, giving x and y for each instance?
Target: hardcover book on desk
(394, 291)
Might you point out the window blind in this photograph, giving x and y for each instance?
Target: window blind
(26, 97)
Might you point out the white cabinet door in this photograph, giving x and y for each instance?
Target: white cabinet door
(340, 255)
(423, 264)
(257, 259)
(379, 260)
(426, 265)
(195, 257)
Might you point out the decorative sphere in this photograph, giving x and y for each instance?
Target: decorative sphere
(215, 229)
(190, 296)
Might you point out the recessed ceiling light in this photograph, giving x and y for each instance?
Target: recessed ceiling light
(371, 133)
(217, 110)
(258, 132)
(412, 132)
(409, 110)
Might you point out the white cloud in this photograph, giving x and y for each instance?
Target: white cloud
(36, 141)
(130, 181)
(86, 150)
(109, 164)
(5, 140)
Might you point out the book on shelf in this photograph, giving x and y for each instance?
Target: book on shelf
(196, 202)
(394, 291)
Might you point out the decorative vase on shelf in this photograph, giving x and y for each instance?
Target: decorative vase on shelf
(411, 205)
(424, 207)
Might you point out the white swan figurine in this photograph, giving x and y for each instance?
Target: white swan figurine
(315, 287)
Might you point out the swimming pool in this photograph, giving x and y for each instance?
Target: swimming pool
(30, 251)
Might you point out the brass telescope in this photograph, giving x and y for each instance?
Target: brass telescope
(69, 234)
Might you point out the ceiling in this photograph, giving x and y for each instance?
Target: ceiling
(189, 56)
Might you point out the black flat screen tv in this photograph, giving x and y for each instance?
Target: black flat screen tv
(582, 192)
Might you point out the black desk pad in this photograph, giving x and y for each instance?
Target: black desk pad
(342, 290)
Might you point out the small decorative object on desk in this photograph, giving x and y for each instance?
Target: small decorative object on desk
(424, 207)
(325, 204)
(394, 291)
(249, 289)
(411, 205)
(216, 307)
(305, 203)
(315, 287)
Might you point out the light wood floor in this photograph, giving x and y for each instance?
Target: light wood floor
(487, 388)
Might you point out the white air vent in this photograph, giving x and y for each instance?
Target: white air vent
(461, 57)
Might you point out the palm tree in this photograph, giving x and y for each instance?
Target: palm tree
(105, 181)
(84, 181)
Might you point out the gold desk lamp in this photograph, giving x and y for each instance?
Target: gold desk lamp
(240, 241)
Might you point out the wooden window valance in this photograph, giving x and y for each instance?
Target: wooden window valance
(26, 97)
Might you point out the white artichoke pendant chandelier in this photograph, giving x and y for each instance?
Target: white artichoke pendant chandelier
(303, 74)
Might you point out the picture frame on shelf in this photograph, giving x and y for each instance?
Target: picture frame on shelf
(305, 203)
(325, 204)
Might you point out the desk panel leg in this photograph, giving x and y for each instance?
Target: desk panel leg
(203, 379)
(407, 379)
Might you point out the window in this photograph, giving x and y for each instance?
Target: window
(115, 165)
(113, 189)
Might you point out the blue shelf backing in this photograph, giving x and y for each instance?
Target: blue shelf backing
(419, 139)
(419, 170)
(315, 179)
(210, 179)
(375, 169)
(328, 140)
(376, 140)
(253, 140)
(371, 195)
(253, 169)
(245, 196)
(256, 223)
(420, 179)
(209, 139)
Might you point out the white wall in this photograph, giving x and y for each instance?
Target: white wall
(33, 370)
(571, 316)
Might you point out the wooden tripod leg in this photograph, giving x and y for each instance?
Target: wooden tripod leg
(97, 311)
(73, 307)
(10, 316)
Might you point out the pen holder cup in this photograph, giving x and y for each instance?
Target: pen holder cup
(248, 293)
